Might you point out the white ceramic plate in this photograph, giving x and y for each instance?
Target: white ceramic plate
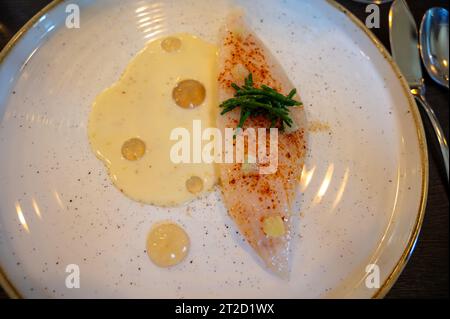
(364, 186)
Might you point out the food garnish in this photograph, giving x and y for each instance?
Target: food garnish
(264, 101)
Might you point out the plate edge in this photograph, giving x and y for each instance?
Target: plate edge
(404, 258)
(6, 284)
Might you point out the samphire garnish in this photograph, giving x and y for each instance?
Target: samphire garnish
(264, 101)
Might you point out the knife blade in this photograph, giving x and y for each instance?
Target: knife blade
(405, 42)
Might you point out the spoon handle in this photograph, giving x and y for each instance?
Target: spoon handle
(437, 128)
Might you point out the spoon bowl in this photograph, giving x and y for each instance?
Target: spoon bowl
(434, 44)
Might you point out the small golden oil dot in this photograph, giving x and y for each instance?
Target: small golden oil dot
(189, 94)
(194, 185)
(167, 244)
(133, 149)
(273, 226)
(171, 44)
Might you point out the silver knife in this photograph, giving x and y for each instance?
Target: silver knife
(405, 51)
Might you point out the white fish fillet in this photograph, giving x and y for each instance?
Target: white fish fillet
(251, 198)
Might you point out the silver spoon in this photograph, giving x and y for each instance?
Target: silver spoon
(434, 44)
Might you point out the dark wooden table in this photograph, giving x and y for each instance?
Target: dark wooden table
(426, 275)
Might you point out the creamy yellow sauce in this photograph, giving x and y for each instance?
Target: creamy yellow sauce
(167, 244)
(131, 122)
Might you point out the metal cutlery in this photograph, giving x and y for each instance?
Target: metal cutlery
(405, 51)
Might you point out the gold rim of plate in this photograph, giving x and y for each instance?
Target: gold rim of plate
(400, 265)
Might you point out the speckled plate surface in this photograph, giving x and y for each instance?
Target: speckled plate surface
(364, 184)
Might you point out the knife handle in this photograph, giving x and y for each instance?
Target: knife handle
(437, 127)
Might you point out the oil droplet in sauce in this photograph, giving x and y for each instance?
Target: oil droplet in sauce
(194, 185)
(189, 94)
(171, 44)
(133, 149)
(167, 244)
